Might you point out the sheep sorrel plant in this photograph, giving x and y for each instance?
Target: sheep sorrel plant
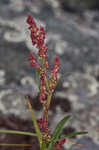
(47, 85)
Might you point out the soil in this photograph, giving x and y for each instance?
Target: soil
(14, 123)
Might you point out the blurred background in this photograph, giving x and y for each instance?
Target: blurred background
(72, 28)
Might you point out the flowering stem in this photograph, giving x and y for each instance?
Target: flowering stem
(47, 83)
(47, 105)
(43, 146)
(49, 100)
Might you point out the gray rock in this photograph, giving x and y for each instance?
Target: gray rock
(79, 4)
(2, 77)
(74, 40)
(87, 143)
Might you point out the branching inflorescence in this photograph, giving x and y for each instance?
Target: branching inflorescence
(47, 85)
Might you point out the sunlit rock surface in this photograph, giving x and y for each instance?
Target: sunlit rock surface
(75, 40)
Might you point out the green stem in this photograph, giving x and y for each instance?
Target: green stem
(49, 100)
(43, 147)
(47, 85)
(47, 105)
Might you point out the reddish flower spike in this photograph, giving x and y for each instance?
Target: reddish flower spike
(54, 73)
(43, 125)
(31, 21)
(33, 61)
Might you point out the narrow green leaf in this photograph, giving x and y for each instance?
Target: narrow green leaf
(37, 79)
(15, 145)
(57, 131)
(17, 132)
(59, 127)
(73, 134)
(35, 123)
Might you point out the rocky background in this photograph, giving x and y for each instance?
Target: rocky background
(72, 28)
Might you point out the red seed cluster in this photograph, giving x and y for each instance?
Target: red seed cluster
(43, 90)
(59, 144)
(37, 37)
(43, 125)
(54, 73)
(33, 61)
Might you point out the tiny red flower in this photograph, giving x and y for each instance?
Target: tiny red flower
(31, 21)
(38, 39)
(43, 90)
(54, 73)
(33, 61)
(58, 145)
(43, 125)
(61, 142)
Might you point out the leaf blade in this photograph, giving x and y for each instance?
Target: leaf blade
(60, 126)
(58, 130)
(39, 135)
(17, 132)
(37, 79)
(15, 145)
(74, 134)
